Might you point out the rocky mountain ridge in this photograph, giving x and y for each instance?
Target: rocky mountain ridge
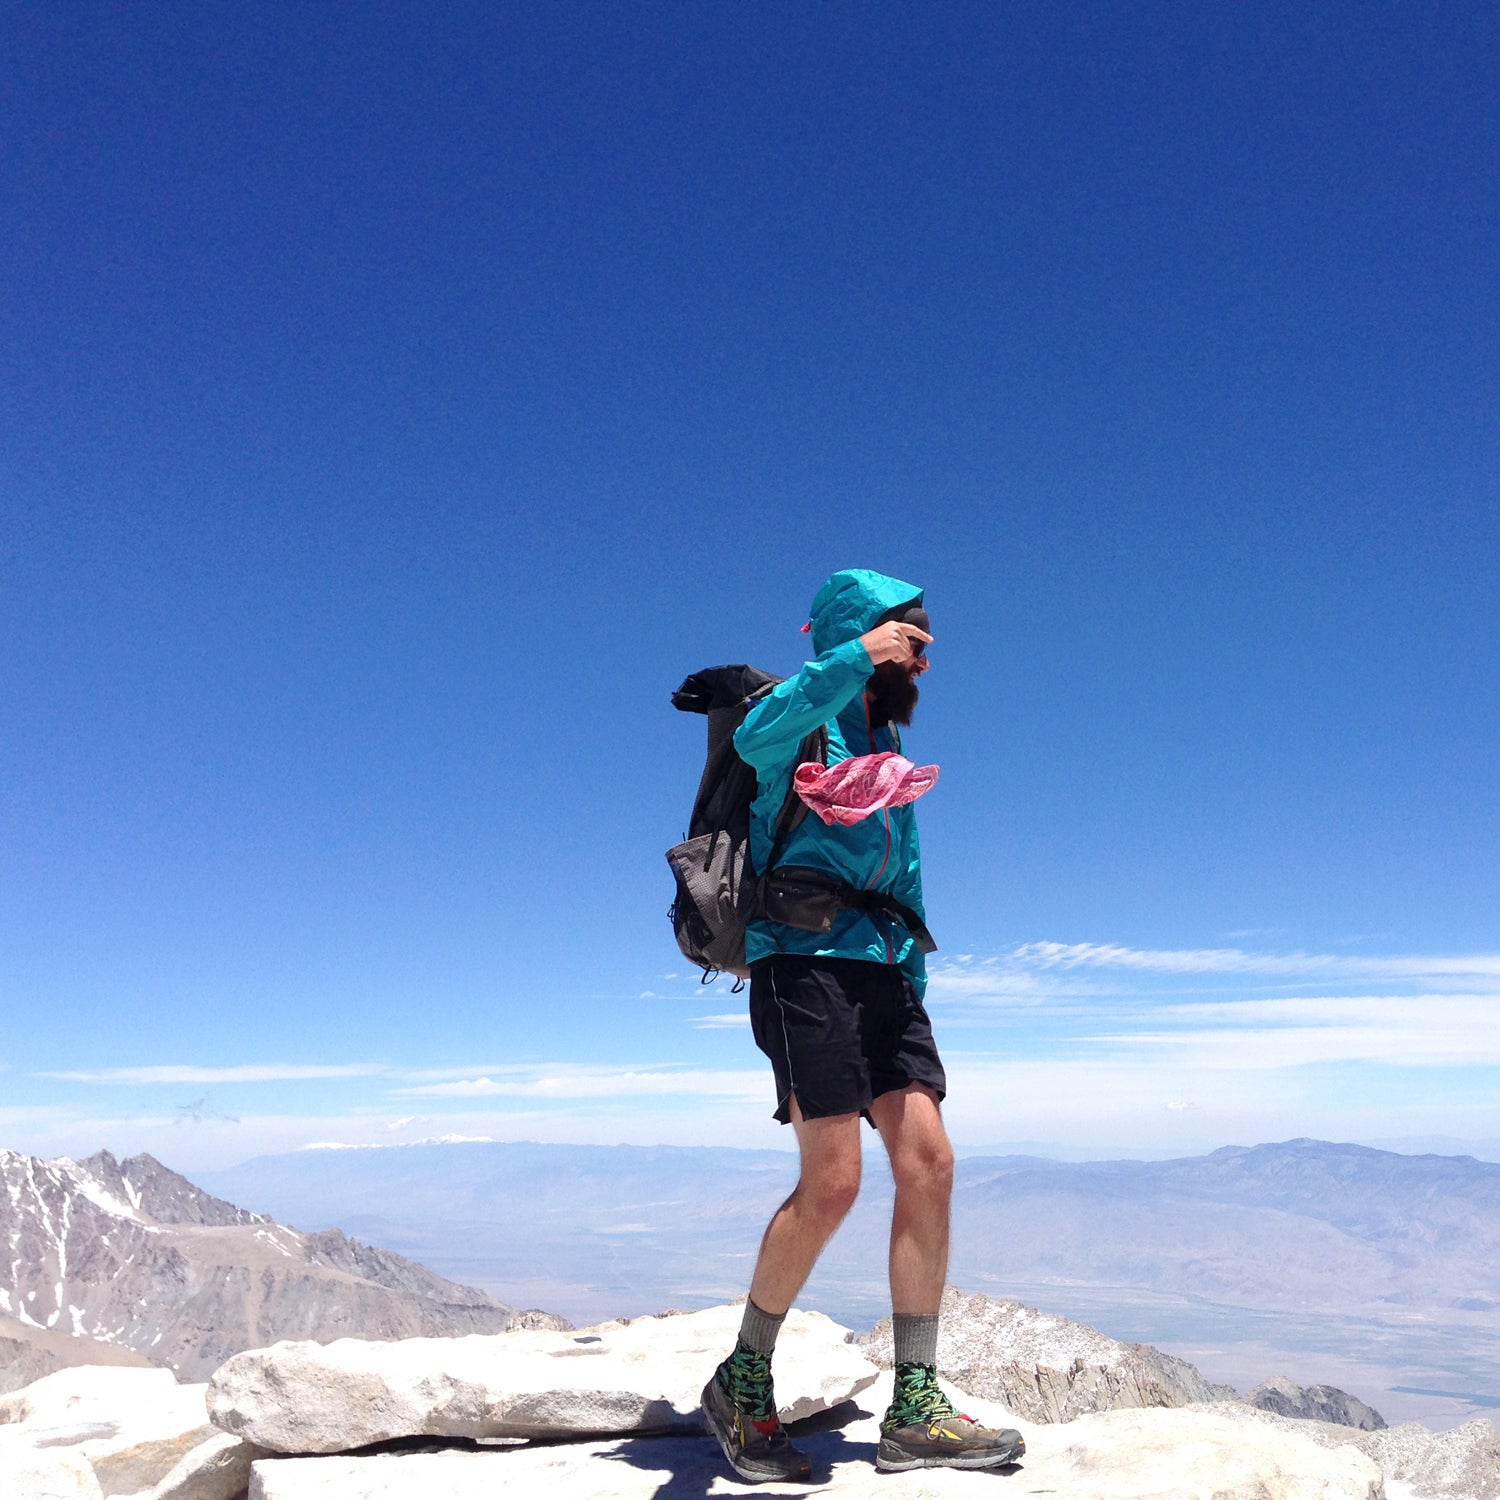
(1046, 1368)
(134, 1256)
(28, 1353)
(1315, 1403)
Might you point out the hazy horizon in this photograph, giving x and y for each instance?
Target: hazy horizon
(212, 1161)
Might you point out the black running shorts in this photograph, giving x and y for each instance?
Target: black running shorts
(840, 1032)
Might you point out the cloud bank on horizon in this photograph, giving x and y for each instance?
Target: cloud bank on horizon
(1070, 1047)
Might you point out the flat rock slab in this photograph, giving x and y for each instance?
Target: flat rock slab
(644, 1375)
(1133, 1455)
(34, 1474)
(130, 1425)
(85, 1393)
(218, 1469)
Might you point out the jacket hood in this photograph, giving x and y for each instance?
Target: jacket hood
(852, 602)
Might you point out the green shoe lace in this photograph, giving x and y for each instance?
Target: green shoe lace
(917, 1398)
(746, 1378)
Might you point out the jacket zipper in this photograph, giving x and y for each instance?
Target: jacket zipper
(885, 817)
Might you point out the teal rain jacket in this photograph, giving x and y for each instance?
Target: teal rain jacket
(879, 853)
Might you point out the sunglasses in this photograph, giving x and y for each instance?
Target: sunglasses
(913, 615)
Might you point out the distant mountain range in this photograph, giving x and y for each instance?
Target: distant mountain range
(135, 1256)
(1333, 1252)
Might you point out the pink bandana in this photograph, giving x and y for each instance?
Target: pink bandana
(853, 789)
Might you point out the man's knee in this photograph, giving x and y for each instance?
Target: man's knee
(939, 1166)
(829, 1188)
(925, 1165)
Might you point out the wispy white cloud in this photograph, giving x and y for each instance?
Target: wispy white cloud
(1079, 976)
(526, 1070)
(1001, 982)
(1406, 1030)
(448, 1138)
(579, 1081)
(1050, 955)
(725, 1022)
(245, 1073)
(1475, 1013)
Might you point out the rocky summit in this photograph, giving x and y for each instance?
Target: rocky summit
(611, 1411)
(1160, 1455)
(133, 1256)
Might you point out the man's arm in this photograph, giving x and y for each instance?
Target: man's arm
(793, 709)
(778, 724)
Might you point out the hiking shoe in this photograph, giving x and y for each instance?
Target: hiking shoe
(922, 1429)
(756, 1445)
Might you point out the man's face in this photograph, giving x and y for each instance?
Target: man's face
(893, 689)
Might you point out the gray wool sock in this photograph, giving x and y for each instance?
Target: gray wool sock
(760, 1328)
(915, 1336)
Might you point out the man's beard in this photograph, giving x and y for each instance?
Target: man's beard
(893, 693)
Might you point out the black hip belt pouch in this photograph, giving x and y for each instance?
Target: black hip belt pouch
(811, 901)
(804, 898)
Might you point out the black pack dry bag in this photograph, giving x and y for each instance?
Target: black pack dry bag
(717, 886)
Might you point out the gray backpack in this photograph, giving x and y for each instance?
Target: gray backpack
(719, 892)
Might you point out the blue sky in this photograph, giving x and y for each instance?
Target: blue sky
(397, 402)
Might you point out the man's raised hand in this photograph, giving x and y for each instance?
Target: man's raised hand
(892, 641)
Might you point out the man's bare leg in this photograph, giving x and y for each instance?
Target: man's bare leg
(921, 1428)
(739, 1401)
(803, 1225)
(916, 1141)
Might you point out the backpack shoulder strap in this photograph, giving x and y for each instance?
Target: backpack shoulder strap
(793, 808)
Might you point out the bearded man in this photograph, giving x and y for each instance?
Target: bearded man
(837, 976)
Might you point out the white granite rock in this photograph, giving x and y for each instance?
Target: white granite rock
(130, 1425)
(88, 1393)
(1193, 1455)
(28, 1473)
(1460, 1464)
(644, 1375)
(1123, 1455)
(218, 1469)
